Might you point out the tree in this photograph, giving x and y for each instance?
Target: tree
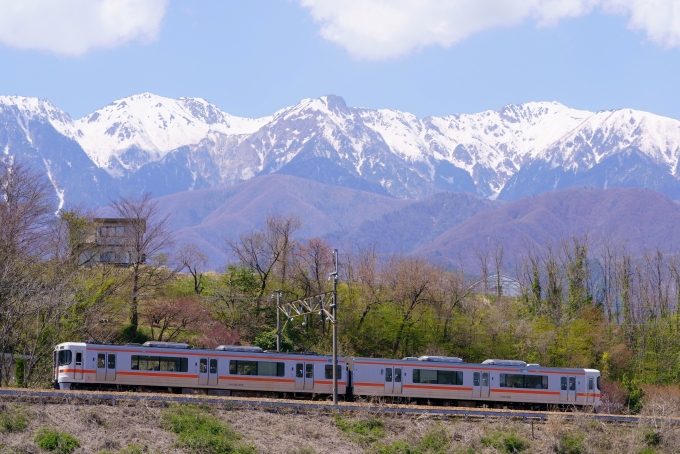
(267, 249)
(34, 278)
(169, 318)
(147, 237)
(191, 258)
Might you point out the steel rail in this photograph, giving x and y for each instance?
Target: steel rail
(274, 404)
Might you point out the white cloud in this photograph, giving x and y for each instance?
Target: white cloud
(73, 27)
(660, 19)
(382, 29)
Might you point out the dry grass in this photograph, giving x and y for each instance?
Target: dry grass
(111, 429)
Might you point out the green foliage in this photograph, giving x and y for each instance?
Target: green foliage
(398, 447)
(435, 441)
(54, 440)
(634, 399)
(201, 433)
(647, 450)
(131, 333)
(12, 419)
(652, 438)
(363, 431)
(505, 441)
(267, 341)
(19, 372)
(131, 449)
(571, 443)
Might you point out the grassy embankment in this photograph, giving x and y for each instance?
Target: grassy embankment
(148, 428)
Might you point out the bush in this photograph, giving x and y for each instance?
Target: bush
(435, 441)
(365, 431)
(59, 442)
(398, 447)
(19, 372)
(12, 419)
(506, 442)
(571, 444)
(201, 432)
(652, 438)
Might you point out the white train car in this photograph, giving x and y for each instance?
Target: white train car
(226, 370)
(495, 383)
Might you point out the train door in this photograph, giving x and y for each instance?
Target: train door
(485, 385)
(571, 394)
(590, 391)
(79, 366)
(563, 389)
(389, 380)
(397, 380)
(304, 376)
(567, 389)
(476, 385)
(207, 371)
(101, 366)
(110, 367)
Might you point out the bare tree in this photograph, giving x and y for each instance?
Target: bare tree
(34, 281)
(313, 262)
(191, 258)
(168, 319)
(147, 237)
(267, 249)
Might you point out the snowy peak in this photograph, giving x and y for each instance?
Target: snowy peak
(607, 133)
(139, 129)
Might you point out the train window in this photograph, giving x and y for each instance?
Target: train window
(563, 383)
(79, 359)
(138, 362)
(590, 383)
(328, 372)
(572, 384)
(523, 381)
(112, 361)
(101, 360)
(397, 375)
(598, 383)
(485, 379)
(309, 370)
(298, 370)
(388, 375)
(213, 366)
(441, 377)
(265, 368)
(475, 379)
(64, 357)
(203, 367)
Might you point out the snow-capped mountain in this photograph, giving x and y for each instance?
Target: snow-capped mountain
(140, 129)
(151, 143)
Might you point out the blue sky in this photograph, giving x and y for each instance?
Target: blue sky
(251, 58)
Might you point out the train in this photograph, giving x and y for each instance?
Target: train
(251, 372)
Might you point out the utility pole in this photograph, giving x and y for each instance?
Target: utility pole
(334, 320)
(278, 321)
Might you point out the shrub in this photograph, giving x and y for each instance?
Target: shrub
(201, 432)
(506, 442)
(571, 444)
(398, 447)
(435, 441)
(12, 419)
(652, 437)
(54, 440)
(365, 431)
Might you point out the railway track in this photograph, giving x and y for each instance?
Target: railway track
(116, 398)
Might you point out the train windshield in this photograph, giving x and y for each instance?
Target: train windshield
(64, 357)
